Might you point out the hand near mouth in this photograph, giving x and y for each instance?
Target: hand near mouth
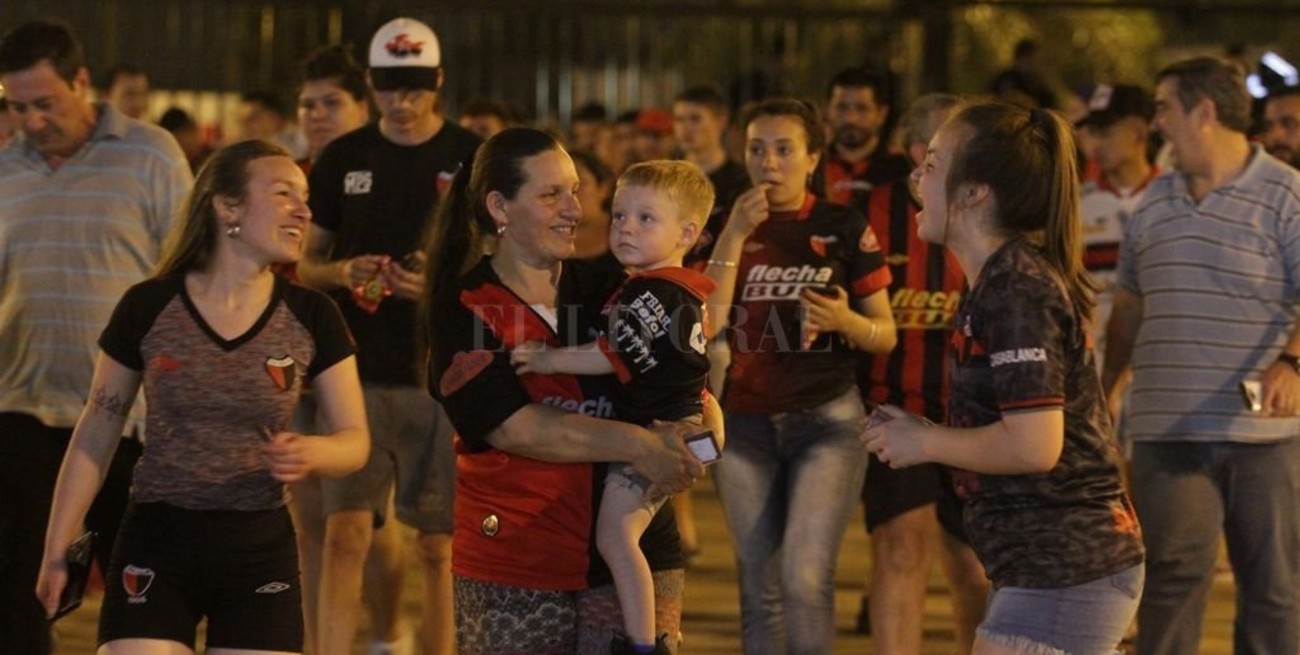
(751, 209)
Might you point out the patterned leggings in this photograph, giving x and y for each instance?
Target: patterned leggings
(493, 619)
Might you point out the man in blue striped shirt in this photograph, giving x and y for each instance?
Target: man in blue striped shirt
(1206, 299)
(86, 198)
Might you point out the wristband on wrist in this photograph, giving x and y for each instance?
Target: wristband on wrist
(723, 263)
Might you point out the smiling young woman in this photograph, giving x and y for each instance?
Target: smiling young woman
(222, 348)
(1029, 445)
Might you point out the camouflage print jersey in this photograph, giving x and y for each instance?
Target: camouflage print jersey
(1020, 346)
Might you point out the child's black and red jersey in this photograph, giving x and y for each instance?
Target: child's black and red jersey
(923, 296)
(519, 521)
(819, 245)
(1019, 345)
(656, 341)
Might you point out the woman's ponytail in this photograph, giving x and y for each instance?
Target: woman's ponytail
(1027, 158)
(1063, 228)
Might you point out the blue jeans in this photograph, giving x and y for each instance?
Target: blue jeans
(788, 483)
(1185, 494)
(1086, 619)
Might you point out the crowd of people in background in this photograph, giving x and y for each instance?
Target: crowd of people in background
(1048, 340)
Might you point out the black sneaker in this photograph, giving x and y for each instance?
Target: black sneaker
(620, 645)
(863, 625)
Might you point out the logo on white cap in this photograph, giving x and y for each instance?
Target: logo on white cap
(403, 46)
(404, 42)
(1101, 96)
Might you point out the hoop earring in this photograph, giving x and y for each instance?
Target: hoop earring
(233, 230)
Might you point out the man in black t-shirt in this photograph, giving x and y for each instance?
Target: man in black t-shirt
(372, 193)
(700, 117)
(699, 120)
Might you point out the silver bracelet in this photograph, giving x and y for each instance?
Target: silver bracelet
(723, 263)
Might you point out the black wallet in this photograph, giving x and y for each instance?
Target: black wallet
(78, 558)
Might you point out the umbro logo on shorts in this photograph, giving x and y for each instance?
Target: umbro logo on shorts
(272, 588)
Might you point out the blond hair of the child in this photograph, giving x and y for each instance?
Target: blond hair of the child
(683, 182)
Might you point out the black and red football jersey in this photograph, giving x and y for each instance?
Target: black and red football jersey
(1019, 345)
(520, 521)
(820, 245)
(924, 295)
(850, 184)
(655, 339)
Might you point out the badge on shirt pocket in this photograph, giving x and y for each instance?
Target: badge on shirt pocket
(283, 371)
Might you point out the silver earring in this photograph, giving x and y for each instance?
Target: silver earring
(232, 231)
(501, 229)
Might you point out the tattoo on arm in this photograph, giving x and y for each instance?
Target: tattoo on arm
(112, 405)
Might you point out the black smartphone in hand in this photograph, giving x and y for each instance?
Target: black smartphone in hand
(78, 557)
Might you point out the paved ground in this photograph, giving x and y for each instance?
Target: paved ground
(712, 612)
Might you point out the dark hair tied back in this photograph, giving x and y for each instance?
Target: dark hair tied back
(1027, 160)
(1041, 120)
(462, 229)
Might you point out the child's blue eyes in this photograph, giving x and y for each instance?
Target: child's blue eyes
(644, 218)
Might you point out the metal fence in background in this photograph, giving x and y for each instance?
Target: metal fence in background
(548, 57)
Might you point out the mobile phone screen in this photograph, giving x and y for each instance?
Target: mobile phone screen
(703, 446)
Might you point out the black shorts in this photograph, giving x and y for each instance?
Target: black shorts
(889, 492)
(950, 511)
(172, 567)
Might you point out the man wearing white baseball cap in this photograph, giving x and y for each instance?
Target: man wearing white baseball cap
(1118, 122)
(372, 192)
